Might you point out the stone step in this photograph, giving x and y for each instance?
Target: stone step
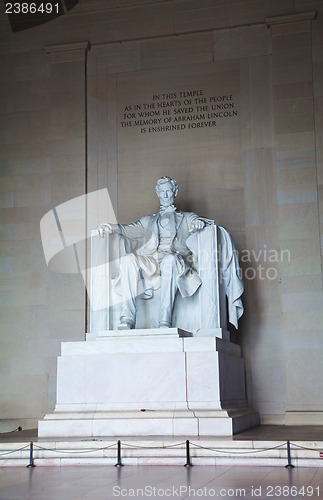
(203, 422)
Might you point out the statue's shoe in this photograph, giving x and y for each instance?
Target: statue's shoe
(126, 324)
(165, 324)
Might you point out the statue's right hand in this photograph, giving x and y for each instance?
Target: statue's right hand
(104, 228)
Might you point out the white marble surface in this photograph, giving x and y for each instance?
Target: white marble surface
(158, 333)
(123, 345)
(215, 426)
(151, 340)
(182, 383)
(203, 379)
(122, 378)
(143, 332)
(202, 423)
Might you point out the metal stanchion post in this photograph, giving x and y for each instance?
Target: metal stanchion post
(119, 464)
(289, 464)
(188, 460)
(31, 457)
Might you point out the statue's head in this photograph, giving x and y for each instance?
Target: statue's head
(166, 189)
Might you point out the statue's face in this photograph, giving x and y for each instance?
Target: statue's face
(166, 194)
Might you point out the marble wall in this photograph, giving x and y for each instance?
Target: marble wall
(259, 173)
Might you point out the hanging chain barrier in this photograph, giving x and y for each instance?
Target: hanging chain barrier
(187, 445)
(14, 451)
(261, 450)
(84, 450)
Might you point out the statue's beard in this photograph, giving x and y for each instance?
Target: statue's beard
(167, 208)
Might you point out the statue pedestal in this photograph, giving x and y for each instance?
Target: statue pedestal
(186, 385)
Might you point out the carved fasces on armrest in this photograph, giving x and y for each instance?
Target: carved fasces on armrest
(202, 244)
(218, 267)
(107, 253)
(112, 246)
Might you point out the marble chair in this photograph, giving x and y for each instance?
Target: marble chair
(206, 309)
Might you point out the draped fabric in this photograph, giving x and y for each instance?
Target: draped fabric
(231, 275)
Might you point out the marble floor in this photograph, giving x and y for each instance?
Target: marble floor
(104, 483)
(108, 482)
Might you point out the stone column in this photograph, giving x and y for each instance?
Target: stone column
(68, 166)
(298, 214)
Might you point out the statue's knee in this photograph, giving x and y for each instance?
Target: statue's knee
(129, 257)
(129, 260)
(168, 262)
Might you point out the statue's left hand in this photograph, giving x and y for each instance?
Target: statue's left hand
(197, 225)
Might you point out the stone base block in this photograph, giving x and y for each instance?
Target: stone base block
(148, 423)
(303, 418)
(150, 383)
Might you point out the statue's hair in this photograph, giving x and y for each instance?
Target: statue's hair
(165, 179)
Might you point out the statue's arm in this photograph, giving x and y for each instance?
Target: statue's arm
(122, 229)
(104, 228)
(197, 223)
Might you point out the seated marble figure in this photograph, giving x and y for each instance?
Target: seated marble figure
(164, 259)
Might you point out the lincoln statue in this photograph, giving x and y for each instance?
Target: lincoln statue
(164, 254)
